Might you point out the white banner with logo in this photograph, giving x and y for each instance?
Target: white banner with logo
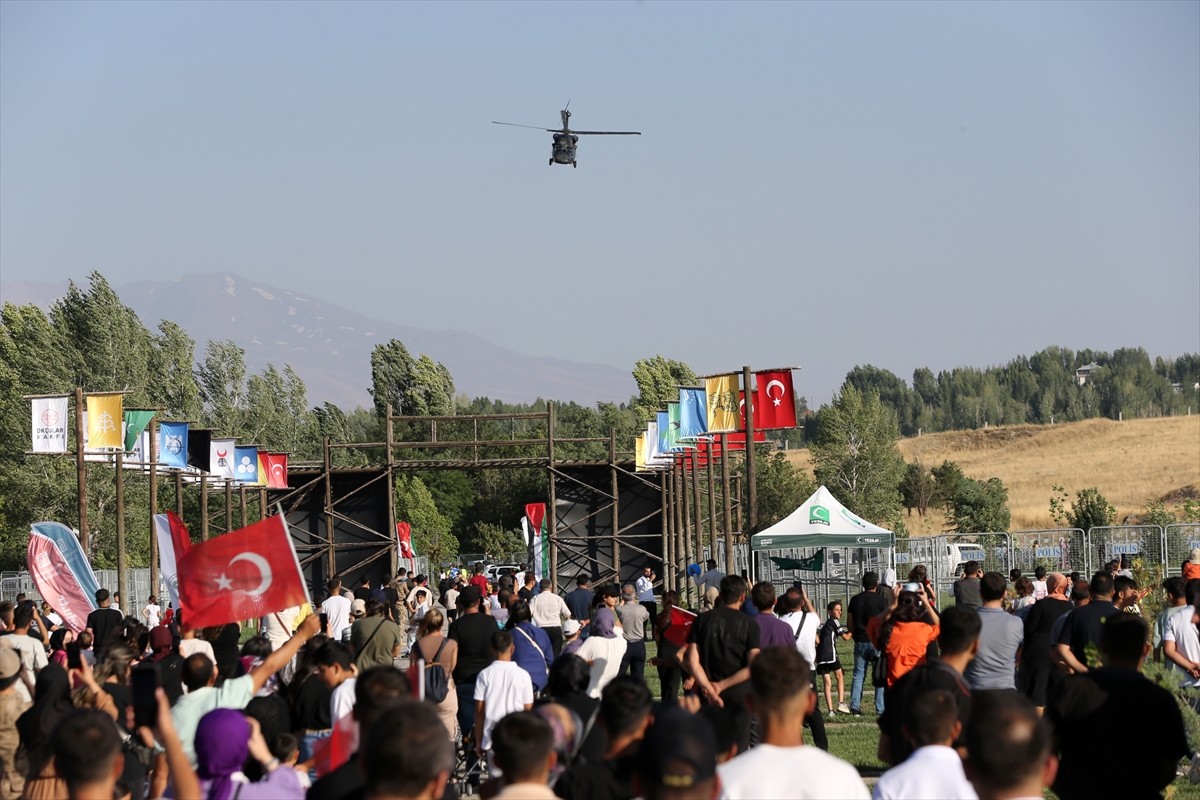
(50, 425)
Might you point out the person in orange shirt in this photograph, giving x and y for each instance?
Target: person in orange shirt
(905, 633)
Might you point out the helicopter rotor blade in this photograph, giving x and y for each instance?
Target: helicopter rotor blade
(608, 133)
(534, 127)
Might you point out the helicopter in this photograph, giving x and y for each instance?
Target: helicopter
(567, 140)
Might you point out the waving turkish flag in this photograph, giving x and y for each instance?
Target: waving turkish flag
(774, 401)
(242, 575)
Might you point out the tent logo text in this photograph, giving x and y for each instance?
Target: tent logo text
(818, 515)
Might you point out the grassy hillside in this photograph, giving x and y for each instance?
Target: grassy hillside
(1129, 462)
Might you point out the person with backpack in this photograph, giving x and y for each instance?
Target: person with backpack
(440, 657)
(828, 663)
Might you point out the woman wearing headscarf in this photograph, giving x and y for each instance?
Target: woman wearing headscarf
(224, 738)
(603, 650)
(168, 662)
(532, 649)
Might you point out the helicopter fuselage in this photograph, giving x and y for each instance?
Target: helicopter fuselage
(563, 149)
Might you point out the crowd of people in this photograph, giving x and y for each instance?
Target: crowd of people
(418, 688)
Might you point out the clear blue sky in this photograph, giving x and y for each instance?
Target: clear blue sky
(817, 184)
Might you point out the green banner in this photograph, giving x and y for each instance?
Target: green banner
(814, 563)
(135, 423)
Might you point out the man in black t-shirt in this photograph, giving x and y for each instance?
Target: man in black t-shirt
(103, 622)
(721, 645)
(1083, 626)
(579, 602)
(473, 632)
(864, 606)
(1083, 710)
(958, 642)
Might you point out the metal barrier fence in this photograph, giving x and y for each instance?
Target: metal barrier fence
(1178, 542)
(1117, 543)
(1062, 550)
(137, 583)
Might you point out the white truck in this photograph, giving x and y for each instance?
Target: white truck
(943, 560)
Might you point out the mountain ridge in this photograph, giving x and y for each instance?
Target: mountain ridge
(329, 346)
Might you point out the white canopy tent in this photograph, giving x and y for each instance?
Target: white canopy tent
(822, 521)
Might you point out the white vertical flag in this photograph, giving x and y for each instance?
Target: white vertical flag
(221, 458)
(50, 425)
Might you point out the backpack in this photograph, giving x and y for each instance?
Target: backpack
(437, 683)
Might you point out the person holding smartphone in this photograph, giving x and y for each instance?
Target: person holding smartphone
(903, 636)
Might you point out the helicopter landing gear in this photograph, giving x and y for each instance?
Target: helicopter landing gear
(574, 164)
(551, 162)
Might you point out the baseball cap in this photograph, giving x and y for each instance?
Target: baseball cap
(10, 662)
(359, 606)
(677, 753)
(570, 627)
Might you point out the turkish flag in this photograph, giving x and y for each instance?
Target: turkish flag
(404, 536)
(242, 575)
(681, 625)
(774, 401)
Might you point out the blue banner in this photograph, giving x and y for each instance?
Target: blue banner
(693, 413)
(245, 464)
(664, 430)
(173, 444)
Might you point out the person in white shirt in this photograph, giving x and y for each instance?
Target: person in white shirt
(781, 765)
(1181, 643)
(802, 618)
(935, 768)
(419, 601)
(31, 650)
(278, 627)
(336, 670)
(603, 650)
(1040, 590)
(190, 644)
(549, 610)
(645, 594)
(500, 689)
(152, 613)
(337, 608)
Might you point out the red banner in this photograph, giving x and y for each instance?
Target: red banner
(277, 469)
(774, 401)
(536, 513)
(681, 624)
(404, 537)
(56, 582)
(241, 575)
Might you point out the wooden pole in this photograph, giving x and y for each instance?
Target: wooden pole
(712, 507)
(328, 464)
(81, 473)
(697, 512)
(389, 435)
(179, 493)
(682, 521)
(228, 506)
(672, 538)
(242, 492)
(262, 503)
(204, 506)
(668, 578)
(616, 506)
(153, 505)
(122, 567)
(552, 498)
(727, 506)
(751, 483)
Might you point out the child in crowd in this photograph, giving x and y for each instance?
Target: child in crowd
(828, 663)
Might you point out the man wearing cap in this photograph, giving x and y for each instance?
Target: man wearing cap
(12, 705)
(1191, 567)
(549, 611)
(677, 759)
(375, 639)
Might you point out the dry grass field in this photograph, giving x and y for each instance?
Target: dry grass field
(1129, 462)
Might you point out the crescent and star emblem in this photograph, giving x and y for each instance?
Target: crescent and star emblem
(264, 581)
(782, 391)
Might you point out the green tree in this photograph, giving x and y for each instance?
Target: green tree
(658, 380)
(497, 542)
(856, 457)
(917, 488)
(781, 488)
(172, 376)
(430, 528)
(980, 506)
(222, 377)
(414, 387)
(1091, 509)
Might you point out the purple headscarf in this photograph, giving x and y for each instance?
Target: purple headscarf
(604, 624)
(222, 744)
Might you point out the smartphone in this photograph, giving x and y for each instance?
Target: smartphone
(324, 621)
(145, 701)
(74, 660)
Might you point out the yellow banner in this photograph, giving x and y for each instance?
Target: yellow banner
(105, 413)
(640, 453)
(721, 397)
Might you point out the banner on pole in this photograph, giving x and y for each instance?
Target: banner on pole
(61, 572)
(721, 403)
(221, 458)
(539, 543)
(173, 542)
(104, 421)
(173, 444)
(50, 425)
